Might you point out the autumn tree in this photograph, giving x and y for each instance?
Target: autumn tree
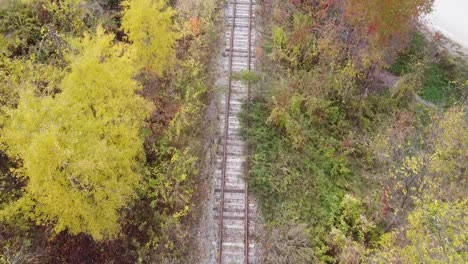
(149, 26)
(435, 233)
(423, 161)
(81, 148)
(382, 20)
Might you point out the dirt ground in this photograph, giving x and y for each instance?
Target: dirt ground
(203, 233)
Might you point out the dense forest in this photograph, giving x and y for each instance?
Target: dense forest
(101, 128)
(357, 129)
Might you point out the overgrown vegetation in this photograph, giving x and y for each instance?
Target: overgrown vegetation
(442, 75)
(358, 132)
(101, 135)
(368, 168)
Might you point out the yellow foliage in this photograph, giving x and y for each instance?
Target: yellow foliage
(437, 233)
(149, 26)
(80, 148)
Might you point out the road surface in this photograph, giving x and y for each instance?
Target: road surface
(450, 17)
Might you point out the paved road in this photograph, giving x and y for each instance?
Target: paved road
(451, 18)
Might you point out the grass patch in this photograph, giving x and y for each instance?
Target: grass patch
(437, 87)
(441, 71)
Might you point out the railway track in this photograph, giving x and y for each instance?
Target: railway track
(233, 208)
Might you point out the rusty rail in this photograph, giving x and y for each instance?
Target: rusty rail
(226, 133)
(247, 207)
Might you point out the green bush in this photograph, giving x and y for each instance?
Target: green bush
(414, 52)
(21, 24)
(280, 39)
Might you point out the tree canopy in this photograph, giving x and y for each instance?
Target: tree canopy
(80, 148)
(148, 24)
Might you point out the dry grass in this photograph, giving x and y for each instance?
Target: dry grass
(288, 243)
(196, 8)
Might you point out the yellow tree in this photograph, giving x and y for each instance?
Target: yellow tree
(427, 186)
(149, 26)
(80, 149)
(436, 233)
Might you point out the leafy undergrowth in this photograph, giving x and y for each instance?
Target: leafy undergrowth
(309, 179)
(414, 52)
(304, 185)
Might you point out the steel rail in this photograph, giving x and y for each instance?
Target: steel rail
(247, 207)
(226, 133)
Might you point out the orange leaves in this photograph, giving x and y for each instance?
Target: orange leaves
(195, 26)
(383, 20)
